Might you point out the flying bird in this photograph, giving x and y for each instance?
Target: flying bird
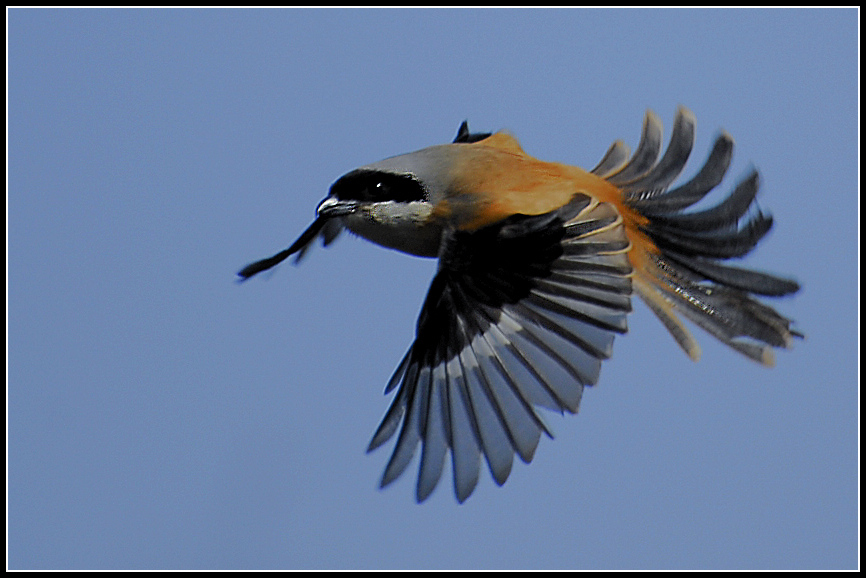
(538, 262)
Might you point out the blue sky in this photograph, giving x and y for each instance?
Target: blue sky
(161, 415)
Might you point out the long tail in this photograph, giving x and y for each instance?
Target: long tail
(679, 256)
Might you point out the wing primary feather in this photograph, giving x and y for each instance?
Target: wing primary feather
(463, 434)
(549, 304)
(483, 326)
(483, 381)
(603, 298)
(389, 423)
(525, 332)
(502, 395)
(435, 445)
(397, 376)
(495, 444)
(545, 395)
(409, 436)
(620, 285)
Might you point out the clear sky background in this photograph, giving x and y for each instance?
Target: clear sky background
(160, 415)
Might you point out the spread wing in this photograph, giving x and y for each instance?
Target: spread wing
(519, 316)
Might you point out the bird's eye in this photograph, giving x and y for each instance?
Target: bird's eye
(377, 190)
(377, 186)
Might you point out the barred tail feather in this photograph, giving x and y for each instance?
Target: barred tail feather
(680, 267)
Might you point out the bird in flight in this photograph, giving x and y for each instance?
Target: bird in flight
(538, 262)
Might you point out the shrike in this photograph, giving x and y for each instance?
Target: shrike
(537, 265)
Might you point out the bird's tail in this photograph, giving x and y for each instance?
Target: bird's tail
(679, 257)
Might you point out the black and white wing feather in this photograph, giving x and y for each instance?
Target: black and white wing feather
(519, 317)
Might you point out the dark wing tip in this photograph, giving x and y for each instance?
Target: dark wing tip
(464, 136)
(462, 132)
